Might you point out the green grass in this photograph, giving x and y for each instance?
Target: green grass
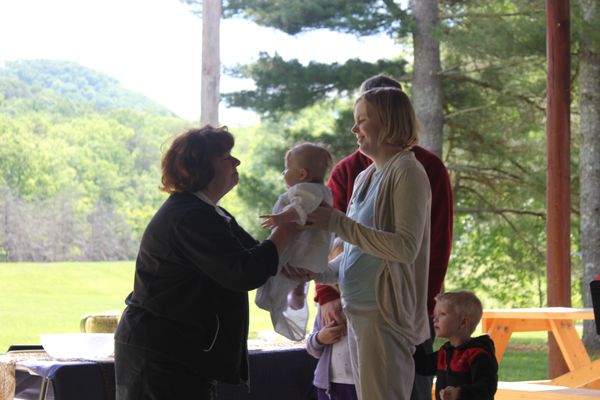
(526, 358)
(38, 298)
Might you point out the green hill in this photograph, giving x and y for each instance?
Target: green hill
(79, 163)
(66, 87)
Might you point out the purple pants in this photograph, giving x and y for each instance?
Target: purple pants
(338, 391)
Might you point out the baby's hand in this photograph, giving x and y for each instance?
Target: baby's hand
(331, 333)
(270, 220)
(450, 393)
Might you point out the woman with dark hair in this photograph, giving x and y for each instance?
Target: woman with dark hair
(186, 322)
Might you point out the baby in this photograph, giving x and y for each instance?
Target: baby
(466, 367)
(306, 166)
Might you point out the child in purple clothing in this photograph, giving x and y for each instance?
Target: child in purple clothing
(333, 374)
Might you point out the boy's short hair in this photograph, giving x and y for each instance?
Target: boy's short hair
(314, 158)
(394, 111)
(465, 303)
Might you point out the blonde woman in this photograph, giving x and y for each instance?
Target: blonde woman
(383, 269)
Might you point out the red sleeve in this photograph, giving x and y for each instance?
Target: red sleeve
(325, 293)
(442, 209)
(338, 183)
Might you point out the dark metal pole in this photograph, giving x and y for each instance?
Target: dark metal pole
(558, 273)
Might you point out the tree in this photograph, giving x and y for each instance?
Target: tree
(366, 17)
(211, 62)
(494, 89)
(360, 18)
(79, 175)
(493, 79)
(427, 80)
(108, 236)
(210, 12)
(589, 153)
(290, 86)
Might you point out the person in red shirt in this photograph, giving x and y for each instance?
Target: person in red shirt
(341, 183)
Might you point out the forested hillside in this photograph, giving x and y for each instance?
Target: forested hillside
(80, 158)
(78, 163)
(63, 87)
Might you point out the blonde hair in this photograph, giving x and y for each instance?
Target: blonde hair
(314, 158)
(393, 109)
(466, 304)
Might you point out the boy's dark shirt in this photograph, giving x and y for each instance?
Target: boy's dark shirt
(472, 367)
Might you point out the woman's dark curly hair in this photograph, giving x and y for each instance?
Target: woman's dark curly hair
(187, 166)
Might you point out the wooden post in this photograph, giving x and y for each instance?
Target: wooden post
(211, 62)
(558, 273)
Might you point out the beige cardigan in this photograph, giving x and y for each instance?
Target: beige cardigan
(401, 238)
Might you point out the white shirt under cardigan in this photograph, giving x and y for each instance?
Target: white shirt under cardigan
(358, 267)
(309, 250)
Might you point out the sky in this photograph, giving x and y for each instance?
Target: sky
(154, 46)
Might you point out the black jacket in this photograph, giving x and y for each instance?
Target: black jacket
(190, 298)
(471, 366)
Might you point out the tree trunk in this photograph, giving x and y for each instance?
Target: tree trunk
(427, 83)
(589, 155)
(211, 62)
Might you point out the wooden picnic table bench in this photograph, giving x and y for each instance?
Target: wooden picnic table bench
(583, 376)
(501, 323)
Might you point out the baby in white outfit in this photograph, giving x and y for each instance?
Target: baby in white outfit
(306, 166)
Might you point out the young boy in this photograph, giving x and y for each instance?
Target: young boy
(466, 367)
(306, 166)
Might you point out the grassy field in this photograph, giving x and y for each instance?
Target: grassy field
(38, 298)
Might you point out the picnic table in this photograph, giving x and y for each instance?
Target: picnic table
(583, 374)
(501, 323)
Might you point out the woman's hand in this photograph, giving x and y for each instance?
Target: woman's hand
(282, 234)
(319, 219)
(331, 333)
(299, 275)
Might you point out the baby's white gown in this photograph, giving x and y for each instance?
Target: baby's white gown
(308, 251)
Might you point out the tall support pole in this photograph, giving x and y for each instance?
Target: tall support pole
(211, 62)
(426, 91)
(558, 190)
